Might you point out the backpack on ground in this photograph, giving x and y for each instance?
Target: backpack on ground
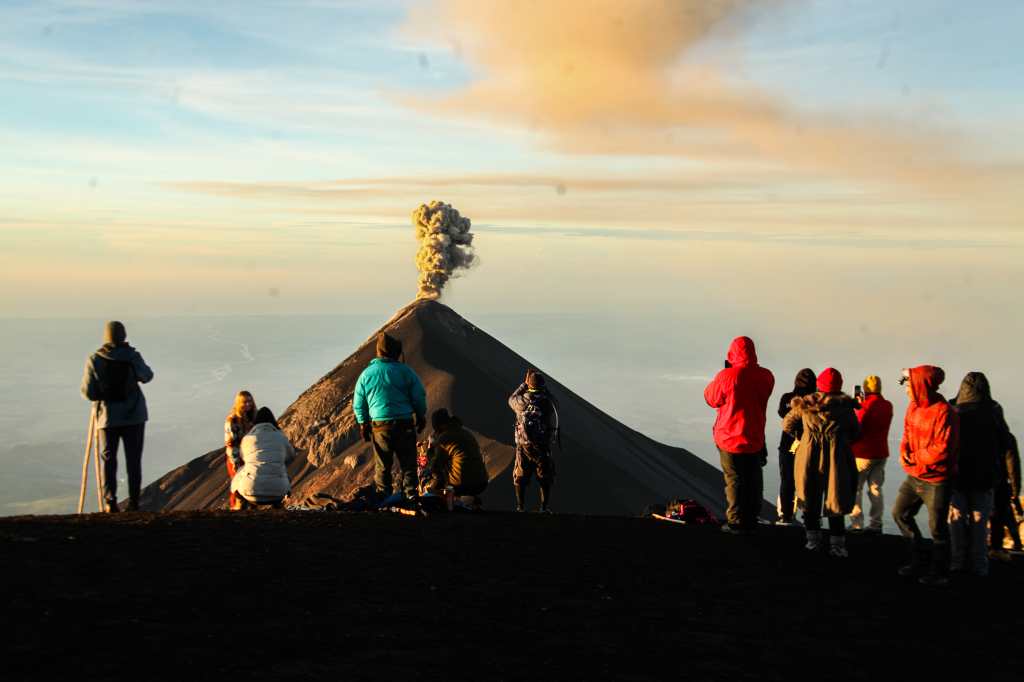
(689, 511)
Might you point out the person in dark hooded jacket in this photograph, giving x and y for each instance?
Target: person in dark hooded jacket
(984, 440)
(803, 385)
(455, 458)
(740, 394)
(1007, 500)
(825, 471)
(928, 454)
(111, 381)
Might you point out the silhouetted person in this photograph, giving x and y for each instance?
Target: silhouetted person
(1007, 501)
(984, 441)
(928, 455)
(871, 450)
(237, 424)
(740, 393)
(390, 405)
(262, 477)
(111, 380)
(825, 470)
(455, 458)
(785, 506)
(536, 429)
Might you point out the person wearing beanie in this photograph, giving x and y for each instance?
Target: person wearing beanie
(390, 406)
(536, 430)
(928, 452)
(455, 458)
(111, 381)
(871, 450)
(984, 442)
(785, 505)
(739, 393)
(824, 470)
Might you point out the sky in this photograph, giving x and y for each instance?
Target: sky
(855, 162)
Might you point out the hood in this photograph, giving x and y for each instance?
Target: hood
(830, 381)
(741, 352)
(924, 384)
(974, 389)
(118, 353)
(804, 384)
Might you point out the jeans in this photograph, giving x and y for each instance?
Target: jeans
(871, 472)
(133, 438)
(744, 487)
(913, 494)
(836, 524)
(968, 520)
(394, 440)
(786, 504)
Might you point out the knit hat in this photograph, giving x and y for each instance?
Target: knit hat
(114, 333)
(388, 346)
(535, 379)
(872, 384)
(440, 419)
(830, 381)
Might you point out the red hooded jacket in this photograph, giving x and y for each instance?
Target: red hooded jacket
(875, 417)
(930, 429)
(740, 394)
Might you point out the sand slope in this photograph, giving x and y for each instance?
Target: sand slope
(605, 467)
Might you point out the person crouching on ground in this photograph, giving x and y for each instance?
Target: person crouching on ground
(928, 455)
(740, 393)
(536, 430)
(825, 469)
(871, 450)
(803, 385)
(111, 380)
(262, 478)
(455, 458)
(237, 424)
(390, 405)
(984, 440)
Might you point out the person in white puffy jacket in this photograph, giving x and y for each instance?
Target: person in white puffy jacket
(266, 453)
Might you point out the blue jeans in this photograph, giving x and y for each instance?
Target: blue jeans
(968, 516)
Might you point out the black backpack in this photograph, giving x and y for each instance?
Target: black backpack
(116, 380)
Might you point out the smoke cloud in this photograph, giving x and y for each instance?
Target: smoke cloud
(446, 246)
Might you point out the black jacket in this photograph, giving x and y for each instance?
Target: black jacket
(803, 385)
(984, 435)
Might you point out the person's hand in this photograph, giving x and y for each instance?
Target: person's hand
(366, 431)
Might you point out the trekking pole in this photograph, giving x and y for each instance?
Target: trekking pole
(85, 461)
(96, 461)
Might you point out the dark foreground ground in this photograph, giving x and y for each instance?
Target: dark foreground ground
(329, 596)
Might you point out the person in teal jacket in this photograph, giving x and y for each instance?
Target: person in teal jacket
(391, 407)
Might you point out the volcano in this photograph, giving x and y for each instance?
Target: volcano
(604, 467)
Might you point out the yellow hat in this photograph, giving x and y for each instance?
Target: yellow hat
(872, 384)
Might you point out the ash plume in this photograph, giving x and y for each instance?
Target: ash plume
(446, 246)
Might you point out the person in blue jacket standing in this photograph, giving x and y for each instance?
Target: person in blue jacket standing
(391, 408)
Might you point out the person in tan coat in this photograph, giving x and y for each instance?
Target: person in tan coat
(825, 469)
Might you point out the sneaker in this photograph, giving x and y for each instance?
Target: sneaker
(519, 509)
(731, 530)
(544, 510)
(933, 580)
(814, 541)
(837, 547)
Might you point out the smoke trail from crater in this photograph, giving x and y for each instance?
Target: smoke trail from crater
(446, 246)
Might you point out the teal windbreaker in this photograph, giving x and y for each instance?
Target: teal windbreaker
(388, 390)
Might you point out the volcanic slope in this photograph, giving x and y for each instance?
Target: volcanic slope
(603, 467)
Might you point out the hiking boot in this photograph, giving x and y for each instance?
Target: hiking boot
(133, 506)
(837, 547)
(519, 509)
(815, 541)
(731, 529)
(110, 508)
(933, 580)
(785, 521)
(908, 571)
(544, 510)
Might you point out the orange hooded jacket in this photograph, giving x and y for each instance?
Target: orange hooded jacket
(930, 429)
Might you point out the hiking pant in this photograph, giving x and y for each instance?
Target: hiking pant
(836, 524)
(394, 440)
(1003, 518)
(532, 460)
(914, 494)
(968, 525)
(872, 473)
(744, 486)
(133, 437)
(786, 504)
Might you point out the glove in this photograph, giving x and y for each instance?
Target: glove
(366, 431)
(421, 424)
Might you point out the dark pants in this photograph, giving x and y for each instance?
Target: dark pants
(787, 486)
(914, 494)
(836, 524)
(394, 440)
(743, 487)
(132, 437)
(1003, 518)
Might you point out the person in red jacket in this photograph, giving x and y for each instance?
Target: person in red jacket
(871, 451)
(740, 393)
(928, 455)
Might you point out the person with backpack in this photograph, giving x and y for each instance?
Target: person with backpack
(265, 453)
(984, 441)
(238, 422)
(536, 429)
(785, 506)
(740, 394)
(390, 405)
(871, 450)
(1007, 506)
(928, 453)
(111, 381)
(454, 457)
(825, 471)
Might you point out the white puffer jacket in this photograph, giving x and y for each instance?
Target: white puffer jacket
(266, 453)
